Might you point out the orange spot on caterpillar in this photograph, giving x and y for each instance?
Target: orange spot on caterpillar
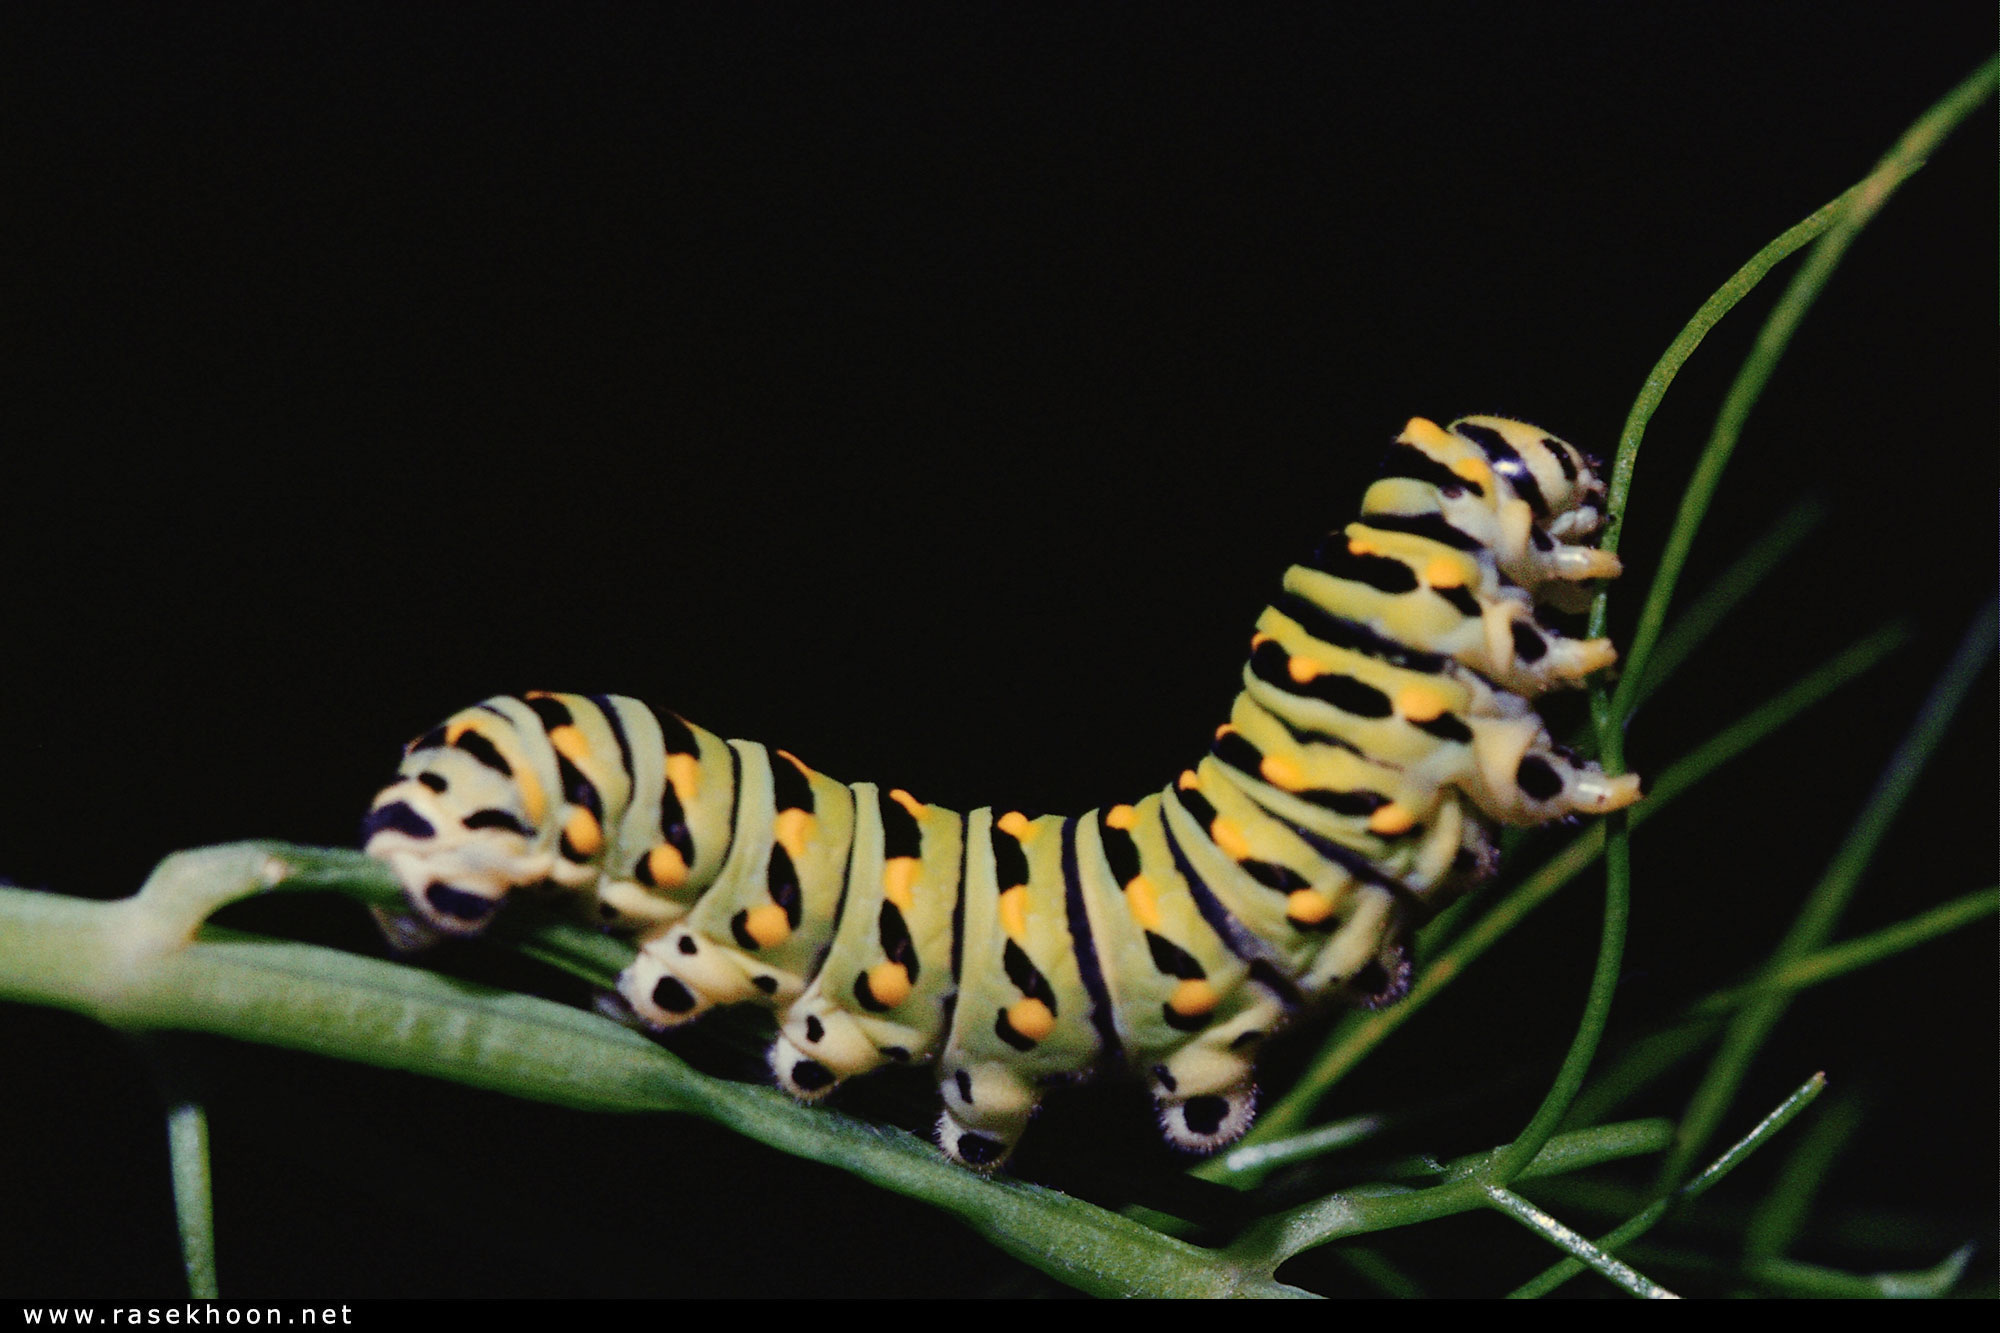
(585, 834)
(767, 925)
(665, 865)
(1142, 899)
(792, 830)
(889, 983)
(1014, 913)
(1031, 1018)
(1193, 996)
(1391, 820)
(1307, 907)
(899, 875)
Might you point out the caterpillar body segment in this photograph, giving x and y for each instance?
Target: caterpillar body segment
(884, 991)
(1385, 723)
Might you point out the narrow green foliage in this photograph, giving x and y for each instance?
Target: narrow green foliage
(1253, 1159)
(1743, 577)
(1372, 1267)
(1783, 1213)
(1841, 221)
(1863, 951)
(187, 1162)
(1590, 1029)
(1653, 1057)
(1784, 1277)
(1378, 1207)
(1749, 1028)
(143, 963)
(1592, 1256)
(1644, 1220)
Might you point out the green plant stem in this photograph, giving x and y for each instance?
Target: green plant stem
(1850, 213)
(1374, 1268)
(1259, 1158)
(1654, 1056)
(1638, 1225)
(1272, 1240)
(1863, 951)
(1581, 1250)
(187, 1154)
(1721, 1223)
(1786, 1277)
(587, 954)
(1590, 1028)
(142, 964)
(1658, 380)
(1783, 1212)
(187, 1163)
(1749, 1028)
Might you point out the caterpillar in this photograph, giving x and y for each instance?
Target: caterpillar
(1383, 726)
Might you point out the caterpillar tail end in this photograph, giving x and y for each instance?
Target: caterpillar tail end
(610, 1004)
(405, 932)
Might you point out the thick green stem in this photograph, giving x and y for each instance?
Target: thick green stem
(144, 964)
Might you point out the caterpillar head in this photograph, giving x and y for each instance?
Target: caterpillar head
(1541, 467)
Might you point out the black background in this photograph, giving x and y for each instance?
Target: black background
(937, 395)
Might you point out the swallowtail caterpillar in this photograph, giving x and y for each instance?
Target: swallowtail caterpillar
(1385, 723)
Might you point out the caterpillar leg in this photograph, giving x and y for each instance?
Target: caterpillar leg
(819, 1045)
(680, 975)
(1522, 777)
(1554, 571)
(1208, 1121)
(1362, 953)
(1528, 656)
(986, 1109)
(1204, 1091)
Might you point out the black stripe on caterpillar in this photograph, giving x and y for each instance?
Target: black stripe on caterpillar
(1384, 722)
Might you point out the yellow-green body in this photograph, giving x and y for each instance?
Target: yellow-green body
(1384, 721)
